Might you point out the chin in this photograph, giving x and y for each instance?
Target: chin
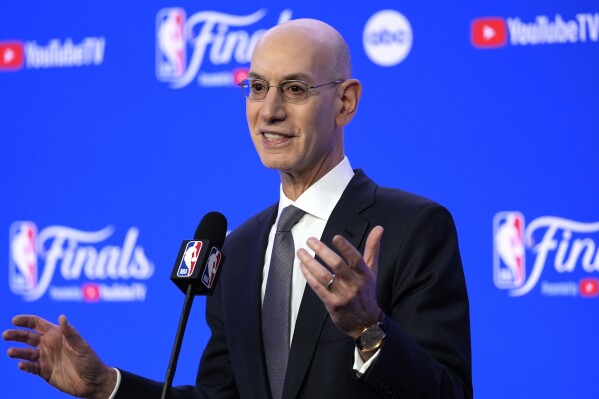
(270, 164)
(278, 163)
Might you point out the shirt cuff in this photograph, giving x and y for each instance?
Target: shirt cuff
(360, 367)
(116, 386)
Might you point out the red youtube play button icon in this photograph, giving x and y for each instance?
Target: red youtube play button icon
(490, 32)
(589, 287)
(11, 56)
(91, 292)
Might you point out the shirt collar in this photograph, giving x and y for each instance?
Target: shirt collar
(322, 196)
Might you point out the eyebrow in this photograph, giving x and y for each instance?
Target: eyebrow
(294, 76)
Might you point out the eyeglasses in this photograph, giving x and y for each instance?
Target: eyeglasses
(292, 91)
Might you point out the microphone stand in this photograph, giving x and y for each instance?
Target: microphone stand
(172, 365)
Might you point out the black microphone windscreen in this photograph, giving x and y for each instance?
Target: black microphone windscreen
(213, 227)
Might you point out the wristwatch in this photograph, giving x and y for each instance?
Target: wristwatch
(372, 337)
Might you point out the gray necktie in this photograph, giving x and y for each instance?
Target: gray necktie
(276, 309)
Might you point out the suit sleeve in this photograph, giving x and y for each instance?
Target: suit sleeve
(421, 288)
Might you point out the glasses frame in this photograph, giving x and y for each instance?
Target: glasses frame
(248, 83)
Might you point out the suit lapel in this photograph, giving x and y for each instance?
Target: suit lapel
(347, 221)
(250, 310)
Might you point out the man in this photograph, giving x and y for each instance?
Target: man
(372, 315)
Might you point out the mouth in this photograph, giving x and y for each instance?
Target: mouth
(274, 137)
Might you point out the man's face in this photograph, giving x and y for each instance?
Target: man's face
(295, 138)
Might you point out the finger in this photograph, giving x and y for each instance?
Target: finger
(33, 322)
(70, 333)
(320, 274)
(353, 257)
(373, 248)
(23, 336)
(317, 286)
(328, 256)
(29, 367)
(33, 355)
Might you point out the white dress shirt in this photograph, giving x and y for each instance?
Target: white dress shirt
(318, 201)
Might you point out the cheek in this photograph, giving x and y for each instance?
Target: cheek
(321, 122)
(311, 117)
(251, 114)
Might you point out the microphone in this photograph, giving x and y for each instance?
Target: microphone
(198, 261)
(196, 272)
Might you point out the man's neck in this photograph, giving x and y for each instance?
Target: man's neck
(295, 185)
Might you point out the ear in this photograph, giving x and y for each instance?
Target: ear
(349, 96)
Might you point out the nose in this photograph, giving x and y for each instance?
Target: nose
(273, 106)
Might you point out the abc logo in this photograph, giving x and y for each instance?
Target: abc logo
(387, 38)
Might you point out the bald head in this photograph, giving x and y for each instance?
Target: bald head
(303, 138)
(317, 35)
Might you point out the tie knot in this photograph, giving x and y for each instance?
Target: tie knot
(289, 217)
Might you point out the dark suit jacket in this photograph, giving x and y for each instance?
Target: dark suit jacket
(420, 287)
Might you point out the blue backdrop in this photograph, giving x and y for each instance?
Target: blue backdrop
(121, 126)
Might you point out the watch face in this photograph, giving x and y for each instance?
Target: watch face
(372, 338)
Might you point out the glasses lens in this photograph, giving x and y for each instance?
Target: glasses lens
(255, 89)
(245, 88)
(294, 90)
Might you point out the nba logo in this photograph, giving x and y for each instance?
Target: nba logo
(508, 250)
(23, 274)
(190, 257)
(211, 267)
(170, 44)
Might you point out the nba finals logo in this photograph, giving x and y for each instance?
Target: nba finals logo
(72, 265)
(220, 46)
(564, 254)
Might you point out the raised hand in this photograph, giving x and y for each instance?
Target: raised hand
(60, 356)
(350, 293)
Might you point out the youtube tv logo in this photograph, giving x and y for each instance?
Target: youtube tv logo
(11, 56)
(488, 32)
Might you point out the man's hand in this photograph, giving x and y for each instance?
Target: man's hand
(351, 298)
(61, 357)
